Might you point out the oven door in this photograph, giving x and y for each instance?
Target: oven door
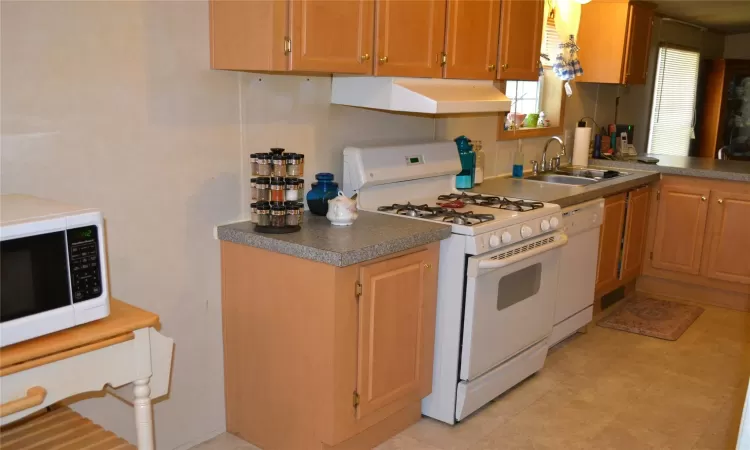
(510, 305)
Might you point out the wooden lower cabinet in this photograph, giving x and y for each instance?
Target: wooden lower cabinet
(610, 244)
(309, 363)
(728, 237)
(634, 243)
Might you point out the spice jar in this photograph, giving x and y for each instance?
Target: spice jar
(253, 188)
(301, 164)
(263, 161)
(254, 212)
(292, 214)
(301, 188)
(277, 189)
(293, 165)
(263, 189)
(301, 209)
(254, 164)
(263, 211)
(278, 216)
(278, 163)
(292, 190)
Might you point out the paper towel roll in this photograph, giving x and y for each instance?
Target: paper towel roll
(581, 146)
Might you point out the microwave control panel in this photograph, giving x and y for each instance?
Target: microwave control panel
(85, 265)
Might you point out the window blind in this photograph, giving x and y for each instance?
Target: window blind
(673, 107)
(550, 40)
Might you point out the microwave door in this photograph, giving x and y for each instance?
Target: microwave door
(33, 275)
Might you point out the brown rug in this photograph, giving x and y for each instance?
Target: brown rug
(651, 317)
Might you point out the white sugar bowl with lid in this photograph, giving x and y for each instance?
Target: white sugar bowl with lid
(342, 210)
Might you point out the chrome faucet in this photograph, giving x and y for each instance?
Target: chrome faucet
(553, 163)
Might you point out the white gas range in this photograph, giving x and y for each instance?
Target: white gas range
(497, 276)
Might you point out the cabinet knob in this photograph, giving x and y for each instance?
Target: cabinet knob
(491, 67)
(721, 201)
(703, 198)
(365, 57)
(383, 60)
(428, 266)
(504, 66)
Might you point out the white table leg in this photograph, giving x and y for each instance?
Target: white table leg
(144, 419)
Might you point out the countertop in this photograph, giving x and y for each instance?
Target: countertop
(371, 236)
(562, 194)
(686, 166)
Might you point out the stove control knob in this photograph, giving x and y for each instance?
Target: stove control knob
(526, 231)
(544, 225)
(494, 241)
(554, 222)
(506, 237)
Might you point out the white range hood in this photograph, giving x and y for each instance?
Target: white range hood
(419, 95)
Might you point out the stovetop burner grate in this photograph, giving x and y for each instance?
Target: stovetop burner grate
(437, 213)
(492, 201)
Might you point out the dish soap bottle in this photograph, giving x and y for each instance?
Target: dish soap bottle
(518, 161)
(479, 170)
(465, 178)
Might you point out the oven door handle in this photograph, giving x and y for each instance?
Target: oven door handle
(561, 240)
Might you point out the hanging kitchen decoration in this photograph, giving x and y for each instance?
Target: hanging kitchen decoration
(567, 19)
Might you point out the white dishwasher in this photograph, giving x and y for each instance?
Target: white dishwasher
(577, 272)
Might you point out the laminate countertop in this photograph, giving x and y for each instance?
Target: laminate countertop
(371, 236)
(687, 166)
(563, 194)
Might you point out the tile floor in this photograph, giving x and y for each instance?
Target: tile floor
(608, 389)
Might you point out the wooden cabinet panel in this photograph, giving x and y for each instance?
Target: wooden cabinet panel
(409, 39)
(472, 39)
(610, 239)
(332, 35)
(396, 330)
(727, 238)
(640, 20)
(520, 39)
(680, 227)
(636, 221)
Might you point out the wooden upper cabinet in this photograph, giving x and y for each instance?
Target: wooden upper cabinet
(680, 228)
(396, 330)
(521, 24)
(615, 37)
(636, 221)
(331, 35)
(409, 38)
(472, 39)
(610, 237)
(727, 253)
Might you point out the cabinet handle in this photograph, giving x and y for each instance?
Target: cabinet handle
(34, 396)
(365, 57)
(703, 198)
(428, 266)
(504, 67)
(721, 201)
(383, 60)
(491, 67)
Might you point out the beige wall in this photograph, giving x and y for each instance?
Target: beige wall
(112, 105)
(737, 46)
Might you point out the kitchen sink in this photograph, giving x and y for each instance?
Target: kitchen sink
(590, 173)
(563, 179)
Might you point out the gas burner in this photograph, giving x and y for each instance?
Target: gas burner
(469, 199)
(510, 205)
(412, 210)
(465, 218)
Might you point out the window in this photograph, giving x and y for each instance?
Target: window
(524, 95)
(673, 108)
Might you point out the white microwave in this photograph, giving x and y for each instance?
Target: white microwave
(53, 267)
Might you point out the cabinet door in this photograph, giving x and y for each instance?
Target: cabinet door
(520, 39)
(610, 244)
(410, 38)
(635, 233)
(638, 42)
(332, 35)
(727, 237)
(471, 39)
(680, 227)
(396, 330)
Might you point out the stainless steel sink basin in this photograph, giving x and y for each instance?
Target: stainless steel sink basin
(563, 179)
(590, 173)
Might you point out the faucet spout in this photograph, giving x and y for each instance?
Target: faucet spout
(545, 162)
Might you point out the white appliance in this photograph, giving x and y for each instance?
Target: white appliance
(53, 267)
(497, 277)
(418, 95)
(577, 277)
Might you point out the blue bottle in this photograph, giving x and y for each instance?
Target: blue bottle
(465, 178)
(322, 191)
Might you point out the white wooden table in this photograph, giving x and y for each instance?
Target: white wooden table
(119, 349)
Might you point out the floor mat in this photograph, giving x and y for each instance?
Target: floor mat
(651, 317)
